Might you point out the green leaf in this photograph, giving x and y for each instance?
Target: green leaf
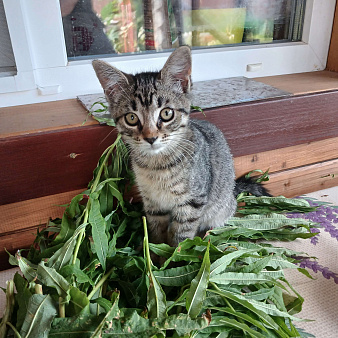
(78, 302)
(100, 238)
(156, 298)
(177, 276)
(50, 277)
(28, 269)
(280, 202)
(257, 266)
(113, 312)
(198, 287)
(183, 324)
(266, 222)
(133, 326)
(103, 302)
(80, 276)
(221, 264)
(241, 326)
(264, 317)
(241, 278)
(163, 250)
(40, 314)
(22, 298)
(82, 326)
(8, 311)
(64, 255)
(68, 227)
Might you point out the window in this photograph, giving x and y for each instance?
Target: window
(7, 61)
(108, 27)
(46, 73)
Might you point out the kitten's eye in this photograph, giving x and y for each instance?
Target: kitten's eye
(166, 114)
(131, 119)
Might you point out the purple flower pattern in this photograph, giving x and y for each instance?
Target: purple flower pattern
(326, 217)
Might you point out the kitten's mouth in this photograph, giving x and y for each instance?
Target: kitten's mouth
(155, 148)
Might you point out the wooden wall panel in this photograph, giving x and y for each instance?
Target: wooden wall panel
(288, 158)
(33, 212)
(305, 179)
(51, 162)
(266, 125)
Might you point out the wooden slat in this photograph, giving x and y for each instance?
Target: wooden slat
(50, 163)
(30, 213)
(42, 117)
(288, 158)
(14, 241)
(40, 164)
(262, 126)
(303, 180)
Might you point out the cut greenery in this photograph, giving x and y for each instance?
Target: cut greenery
(86, 274)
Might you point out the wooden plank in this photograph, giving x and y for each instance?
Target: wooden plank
(266, 125)
(47, 116)
(41, 164)
(13, 242)
(299, 181)
(50, 163)
(332, 60)
(30, 213)
(303, 83)
(287, 158)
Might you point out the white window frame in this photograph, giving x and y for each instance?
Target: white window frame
(45, 74)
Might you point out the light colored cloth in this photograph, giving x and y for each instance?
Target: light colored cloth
(321, 294)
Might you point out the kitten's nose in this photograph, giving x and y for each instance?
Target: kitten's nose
(151, 140)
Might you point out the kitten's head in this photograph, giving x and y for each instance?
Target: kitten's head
(151, 109)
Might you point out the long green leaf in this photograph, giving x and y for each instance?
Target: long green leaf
(221, 264)
(156, 298)
(64, 255)
(242, 327)
(50, 277)
(266, 222)
(40, 314)
(114, 312)
(198, 287)
(100, 238)
(241, 278)
(177, 276)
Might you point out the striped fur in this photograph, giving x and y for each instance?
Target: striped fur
(186, 175)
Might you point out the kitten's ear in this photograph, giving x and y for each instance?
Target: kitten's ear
(178, 68)
(112, 80)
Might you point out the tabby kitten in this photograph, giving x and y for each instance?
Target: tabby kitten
(183, 167)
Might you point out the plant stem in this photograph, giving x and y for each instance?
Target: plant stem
(109, 152)
(100, 283)
(38, 289)
(81, 234)
(62, 310)
(92, 189)
(14, 329)
(146, 244)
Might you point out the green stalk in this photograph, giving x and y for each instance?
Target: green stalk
(62, 309)
(146, 244)
(38, 289)
(14, 329)
(92, 189)
(100, 283)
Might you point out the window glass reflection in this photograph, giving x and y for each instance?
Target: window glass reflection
(106, 27)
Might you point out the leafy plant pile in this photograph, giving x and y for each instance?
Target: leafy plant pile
(88, 275)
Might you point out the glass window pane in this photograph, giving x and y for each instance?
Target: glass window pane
(7, 60)
(110, 27)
